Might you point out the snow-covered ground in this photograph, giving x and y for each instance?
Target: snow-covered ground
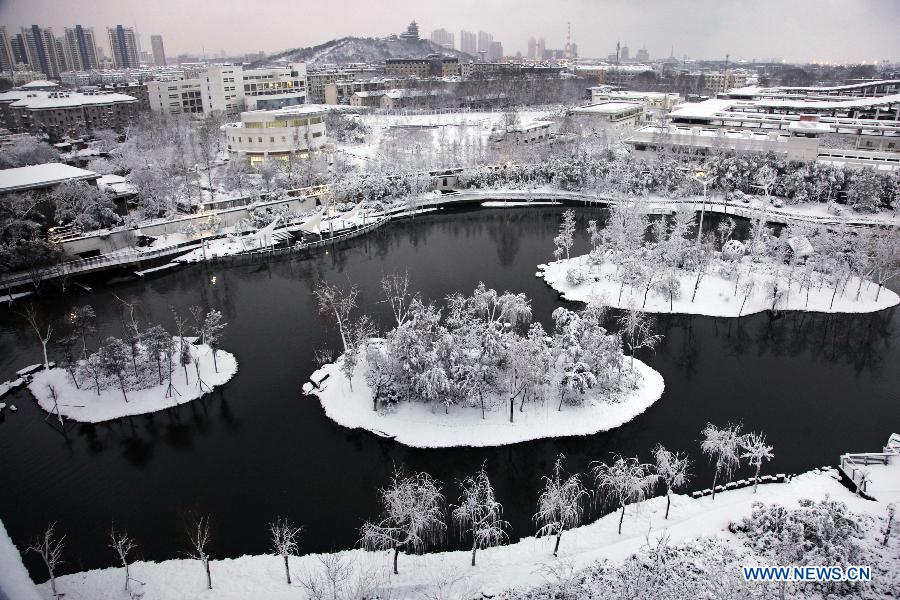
(84, 405)
(524, 563)
(716, 295)
(15, 584)
(424, 425)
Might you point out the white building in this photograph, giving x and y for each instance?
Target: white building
(175, 96)
(620, 115)
(265, 134)
(535, 132)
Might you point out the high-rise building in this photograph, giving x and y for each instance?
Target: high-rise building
(495, 52)
(643, 55)
(484, 41)
(123, 47)
(532, 48)
(468, 42)
(41, 50)
(541, 49)
(442, 38)
(624, 53)
(159, 51)
(7, 61)
(17, 45)
(81, 49)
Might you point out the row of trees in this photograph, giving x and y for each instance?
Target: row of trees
(483, 350)
(414, 512)
(654, 256)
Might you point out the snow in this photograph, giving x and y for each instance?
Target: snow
(521, 564)
(502, 204)
(15, 584)
(8, 386)
(85, 406)
(422, 425)
(715, 296)
(44, 175)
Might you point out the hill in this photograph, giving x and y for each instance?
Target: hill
(366, 50)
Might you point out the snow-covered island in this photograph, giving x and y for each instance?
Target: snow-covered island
(147, 371)
(805, 268)
(105, 399)
(480, 373)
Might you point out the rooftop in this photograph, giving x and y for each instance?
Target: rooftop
(608, 108)
(44, 100)
(40, 176)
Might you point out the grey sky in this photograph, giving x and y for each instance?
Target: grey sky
(796, 30)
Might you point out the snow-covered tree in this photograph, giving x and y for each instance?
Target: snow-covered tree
(49, 548)
(412, 516)
(211, 332)
(478, 513)
(624, 481)
(754, 449)
(122, 545)
(157, 341)
(566, 237)
(284, 542)
(672, 469)
(561, 503)
(114, 355)
(83, 206)
(82, 321)
(397, 295)
(637, 331)
(723, 447)
(198, 532)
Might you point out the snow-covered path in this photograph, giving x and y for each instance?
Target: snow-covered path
(519, 564)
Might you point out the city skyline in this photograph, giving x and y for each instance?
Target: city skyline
(708, 31)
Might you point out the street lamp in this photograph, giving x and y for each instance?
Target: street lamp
(701, 178)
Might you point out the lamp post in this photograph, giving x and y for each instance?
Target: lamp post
(701, 178)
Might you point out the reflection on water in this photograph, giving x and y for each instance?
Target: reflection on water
(255, 448)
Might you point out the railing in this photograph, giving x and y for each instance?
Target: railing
(853, 465)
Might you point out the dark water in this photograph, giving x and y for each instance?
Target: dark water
(256, 448)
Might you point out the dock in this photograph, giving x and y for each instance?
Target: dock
(875, 475)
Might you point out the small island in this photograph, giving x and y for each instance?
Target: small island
(478, 372)
(663, 267)
(145, 371)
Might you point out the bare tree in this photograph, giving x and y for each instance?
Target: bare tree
(122, 545)
(338, 304)
(43, 329)
(722, 445)
(83, 322)
(478, 513)
(412, 517)
(397, 295)
(211, 332)
(756, 451)
(560, 505)
(624, 481)
(672, 469)
(50, 550)
(284, 542)
(198, 535)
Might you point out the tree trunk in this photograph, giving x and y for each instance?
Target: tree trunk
(122, 384)
(715, 477)
(696, 285)
(127, 576)
(621, 518)
(756, 478)
(216, 365)
(474, 549)
(556, 547)
(396, 553)
(287, 569)
(46, 360)
(512, 404)
(208, 575)
(668, 503)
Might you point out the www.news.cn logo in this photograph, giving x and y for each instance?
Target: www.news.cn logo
(807, 574)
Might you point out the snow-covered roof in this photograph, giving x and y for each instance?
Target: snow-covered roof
(287, 111)
(609, 108)
(39, 84)
(50, 100)
(39, 176)
(830, 104)
(809, 126)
